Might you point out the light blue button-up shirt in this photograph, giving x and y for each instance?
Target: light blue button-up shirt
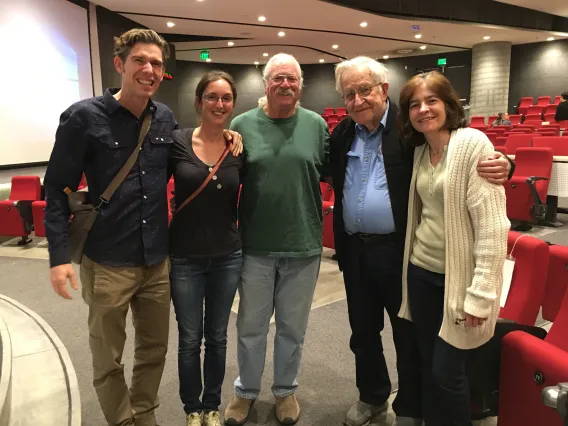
(366, 200)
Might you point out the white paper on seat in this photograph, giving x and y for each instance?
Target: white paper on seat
(508, 268)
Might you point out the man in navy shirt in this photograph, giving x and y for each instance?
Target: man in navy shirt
(125, 260)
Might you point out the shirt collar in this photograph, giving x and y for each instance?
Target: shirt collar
(112, 105)
(362, 130)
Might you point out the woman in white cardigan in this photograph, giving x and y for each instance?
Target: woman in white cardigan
(456, 244)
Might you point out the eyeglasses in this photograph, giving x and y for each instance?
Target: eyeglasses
(279, 79)
(213, 98)
(363, 91)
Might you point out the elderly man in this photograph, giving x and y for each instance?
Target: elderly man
(281, 226)
(371, 171)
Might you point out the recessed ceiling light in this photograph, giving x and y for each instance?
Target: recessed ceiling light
(281, 34)
(231, 43)
(363, 24)
(418, 36)
(550, 39)
(335, 46)
(422, 47)
(262, 18)
(200, 0)
(486, 38)
(385, 56)
(171, 24)
(256, 62)
(322, 60)
(208, 59)
(265, 54)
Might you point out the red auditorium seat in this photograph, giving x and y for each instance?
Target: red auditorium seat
(529, 278)
(171, 189)
(501, 141)
(332, 119)
(341, 111)
(38, 212)
(491, 119)
(534, 123)
(563, 124)
(83, 183)
(326, 191)
(518, 140)
(550, 109)
(502, 149)
(477, 120)
(549, 117)
(533, 117)
(524, 104)
(534, 110)
(526, 190)
(556, 143)
(328, 111)
(515, 118)
(327, 207)
(529, 364)
(557, 100)
(543, 101)
(16, 218)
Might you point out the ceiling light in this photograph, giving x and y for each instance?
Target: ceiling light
(422, 47)
(418, 36)
(256, 62)
(262, 18)
(171, 24)
(281, 34)
(200, 0)
(385, 56)
(550, 39)
(322, 60)
(265, 54)
(208, 59)
(335, 46)
(363, 24)
(231, 43)
(486, 38)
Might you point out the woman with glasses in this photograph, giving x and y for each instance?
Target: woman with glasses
(205, 245)
(456, 244)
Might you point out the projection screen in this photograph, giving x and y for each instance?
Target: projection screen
(47, 67)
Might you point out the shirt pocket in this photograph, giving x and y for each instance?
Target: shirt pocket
(158, 150)
(114, 150)
(380, 175)
(352, 170)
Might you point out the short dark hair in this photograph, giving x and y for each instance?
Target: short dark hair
(441, 86)
(124, 43)
(210, 77)
(565, 96)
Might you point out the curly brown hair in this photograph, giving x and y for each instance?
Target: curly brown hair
(441, 86)
(124, 43)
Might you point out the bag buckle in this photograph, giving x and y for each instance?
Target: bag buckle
(103, 201)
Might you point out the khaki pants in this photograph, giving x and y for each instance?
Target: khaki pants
(109, 291)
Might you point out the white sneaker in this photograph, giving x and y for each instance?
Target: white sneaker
(194, 419)
(212, 418)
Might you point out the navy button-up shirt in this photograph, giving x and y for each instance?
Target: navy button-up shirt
(366, 199)
(96, 136)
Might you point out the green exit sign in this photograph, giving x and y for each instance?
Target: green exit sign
(204, 54)
(441, 61)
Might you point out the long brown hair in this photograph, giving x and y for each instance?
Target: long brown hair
(441, 86)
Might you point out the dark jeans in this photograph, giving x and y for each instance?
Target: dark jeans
(373, 282)
(193, 281)
(445, 391)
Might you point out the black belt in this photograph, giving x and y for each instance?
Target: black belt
(376, 238)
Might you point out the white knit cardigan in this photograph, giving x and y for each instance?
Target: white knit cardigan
(476, 228)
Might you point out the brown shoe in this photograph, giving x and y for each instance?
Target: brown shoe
(237, 411)
(287, 410)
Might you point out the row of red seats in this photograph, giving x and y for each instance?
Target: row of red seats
(542, 104)
(514, 141)
(24, 210)
(529, 364)
(478, 121)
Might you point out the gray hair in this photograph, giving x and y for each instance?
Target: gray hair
(362, 63)
(282, 58)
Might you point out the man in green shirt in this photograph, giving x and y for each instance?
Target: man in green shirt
(280, 219)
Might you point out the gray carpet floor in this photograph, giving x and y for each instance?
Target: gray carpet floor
(327, 376)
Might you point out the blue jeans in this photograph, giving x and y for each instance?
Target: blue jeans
(193, 281)
(285, 286)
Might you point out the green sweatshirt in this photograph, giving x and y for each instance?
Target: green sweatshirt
(280, 211)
